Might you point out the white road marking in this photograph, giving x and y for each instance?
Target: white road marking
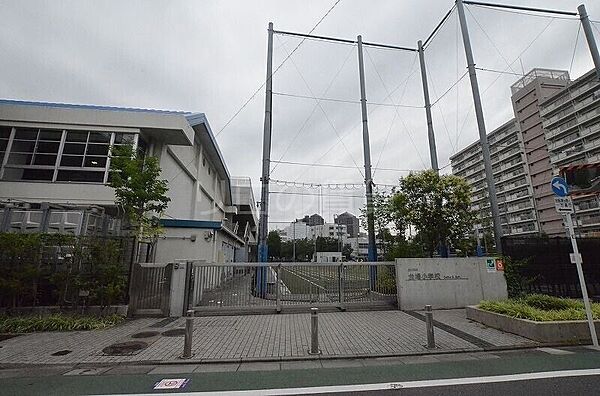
(554, 351)
(397, 385)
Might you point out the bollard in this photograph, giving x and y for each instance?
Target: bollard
(429, 325)
(189, 330)
(314, 332)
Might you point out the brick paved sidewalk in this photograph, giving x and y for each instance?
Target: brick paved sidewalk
(229, 338)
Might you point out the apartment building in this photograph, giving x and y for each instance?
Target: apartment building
(571, 122)
(351, 222)
(511, 178)
(527, 93)
(55, 164)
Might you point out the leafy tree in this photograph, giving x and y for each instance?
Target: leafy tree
(347, 252)
(138, 188)
(274, 243)
(437, 206)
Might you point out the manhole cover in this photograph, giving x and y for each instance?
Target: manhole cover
(62, 353)
(174, 333)
(125, 348)
(145, 334)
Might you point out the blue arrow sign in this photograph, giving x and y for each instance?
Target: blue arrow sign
(559, 186)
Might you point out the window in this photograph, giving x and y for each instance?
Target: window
(58, 155)
(4, 137)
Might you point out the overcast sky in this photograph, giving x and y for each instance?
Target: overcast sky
(209, 56)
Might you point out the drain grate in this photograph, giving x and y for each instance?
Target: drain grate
(174, 332)
(61, 353)
(145, 334)
(125, 348)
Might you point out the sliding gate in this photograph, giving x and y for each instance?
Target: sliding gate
(277, 286)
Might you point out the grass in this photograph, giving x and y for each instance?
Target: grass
(541, 308)
(56, 322)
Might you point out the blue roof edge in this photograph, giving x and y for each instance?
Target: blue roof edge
(89, 107)
(186, 223)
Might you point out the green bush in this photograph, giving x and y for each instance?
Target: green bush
(541, 308)
(56, 322)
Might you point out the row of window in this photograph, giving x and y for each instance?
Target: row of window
(41, 154)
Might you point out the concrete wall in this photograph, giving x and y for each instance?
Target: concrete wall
(177, 244)
(447, 282)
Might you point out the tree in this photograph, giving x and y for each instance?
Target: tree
(437, 206)
(138, 188)
(274, 244)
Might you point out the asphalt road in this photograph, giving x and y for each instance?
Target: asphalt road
(519, 372)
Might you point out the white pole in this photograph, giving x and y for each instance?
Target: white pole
(586, 300)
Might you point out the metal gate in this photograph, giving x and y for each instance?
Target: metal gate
(150, 289)
(277, 286)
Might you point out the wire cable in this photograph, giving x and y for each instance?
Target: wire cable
(338, 166)
(450, 88)
(552, 19)
(490, 39)
(441, 111)
(325, 115)
(276, 69)
(323, 99)
(574, 49)
(305, 123)
(395, 116)
(523, 13)
(395, 109)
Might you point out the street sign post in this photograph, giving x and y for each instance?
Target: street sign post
(564, 206)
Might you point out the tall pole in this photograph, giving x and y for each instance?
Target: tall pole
(578, 264)
(589, 35)
(263, 251)
(485, 148)
(372, 252)
(430, 135)
(294, 241)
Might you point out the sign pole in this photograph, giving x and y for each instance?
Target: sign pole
(564, 206)
(586, 300)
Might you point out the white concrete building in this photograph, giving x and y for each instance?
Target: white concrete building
(55, 162)
(328, 230)
(296, 230)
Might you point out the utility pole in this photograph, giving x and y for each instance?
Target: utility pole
(372, 252)
(263, 250)
(294, 241)
(589, 35)
(485, 148)
(430, 135)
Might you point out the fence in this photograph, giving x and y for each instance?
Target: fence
(63, 270)
(549, 269)
(235, 286)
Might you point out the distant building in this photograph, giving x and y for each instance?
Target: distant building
(328, 230)
(313, 220)
(296, 230)
(350, 221)
(571, 122)
(527, 93)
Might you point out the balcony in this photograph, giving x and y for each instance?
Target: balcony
(547, 122)
(591, 130)
(563, 142)
(589, 115)
(555, 105)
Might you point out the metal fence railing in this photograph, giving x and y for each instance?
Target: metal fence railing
(239, 286)
(150, 289)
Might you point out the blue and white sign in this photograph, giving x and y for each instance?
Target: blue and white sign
(559, 186)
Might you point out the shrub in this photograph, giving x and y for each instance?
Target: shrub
(56, 322)
(541, 308)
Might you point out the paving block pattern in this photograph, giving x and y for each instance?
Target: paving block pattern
(255, 337)
(457, 318)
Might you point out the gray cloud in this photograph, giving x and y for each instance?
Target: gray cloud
(210, 56)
